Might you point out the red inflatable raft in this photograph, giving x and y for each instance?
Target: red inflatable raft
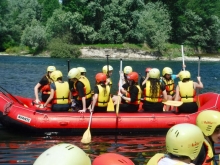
(20, 113)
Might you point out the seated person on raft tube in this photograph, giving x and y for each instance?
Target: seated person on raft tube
(132, 96)
(101, 94)
(154, 92)
(183, 144)
(186, 92)
(209, 122)
(82, 86)
(44, 86)
(60, 95)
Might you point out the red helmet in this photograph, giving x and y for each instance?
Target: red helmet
(148, 69)
(100, 77)
(112, 159)
(133, 76)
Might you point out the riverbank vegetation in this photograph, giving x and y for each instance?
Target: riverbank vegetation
(63, 27)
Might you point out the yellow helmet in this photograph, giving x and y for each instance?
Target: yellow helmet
(105, 69)
(184, 140)
(65, 154)
(51, 68)
(154, 73)
(184, 74)
(207, 121)
(56, 74)
(81, 69)
(74, 73)
(167, 70)
(128, 69)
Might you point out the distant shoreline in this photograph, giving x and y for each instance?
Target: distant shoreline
(126, 57)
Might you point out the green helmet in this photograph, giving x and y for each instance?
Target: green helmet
(74, 73)
(81, 69)
(65, 154)
(184, 140)
(154, 73)
(105, 69)
(207, 121)
(56, 74)
(128, 69)
(51, 68)
(184, 74)
(167, 70)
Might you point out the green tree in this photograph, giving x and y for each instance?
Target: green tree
(154, 25)
(34, 36)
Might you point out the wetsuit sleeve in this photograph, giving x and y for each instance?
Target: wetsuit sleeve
(125, 86)
(96, 90)
(80, 89)
(162, 86)
(52, 86)
(133, 93)
(43, 81)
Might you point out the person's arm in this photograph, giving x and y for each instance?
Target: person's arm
(49, 98)
(199, 84)
(37, 86)
(177, 95)
(147, 76)
(95, 98)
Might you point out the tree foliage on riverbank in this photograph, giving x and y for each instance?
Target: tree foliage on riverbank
(39, 23)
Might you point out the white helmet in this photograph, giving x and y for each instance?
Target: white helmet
(82, 69)
(51, 68)
(154, 73)
(107, 68)
(63, 154)
(74, 73)
(128, 69)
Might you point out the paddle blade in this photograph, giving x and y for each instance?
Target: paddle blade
(173, 103)
(86, 137)
(110, 107)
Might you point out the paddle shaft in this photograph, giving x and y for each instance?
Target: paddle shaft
(90, 119)
(199, 67)
(107, 65)
(183, 57)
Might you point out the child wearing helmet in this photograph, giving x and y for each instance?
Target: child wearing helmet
(123, 75)
(60, 95)
(147, 70)
(186, 92)
(108, 69)
(44, 86)
(82, 86)
(101, 94)
(183, 144)
(168, 79)
(154, 92)
(130, 95)
(209, 122)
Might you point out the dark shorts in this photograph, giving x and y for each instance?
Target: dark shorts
(79, 103)
(188, 107)
(100, 109)
(44, 97)
(153, 106)
(128, 107)
(60, 107)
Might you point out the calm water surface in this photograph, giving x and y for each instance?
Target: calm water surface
(19, 75)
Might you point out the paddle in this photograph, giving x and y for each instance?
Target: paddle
(197, 90)
(173, 103)
(183, 57)
(87, 135)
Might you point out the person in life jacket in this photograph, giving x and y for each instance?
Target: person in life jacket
(168, 80)
(44, 86)
(83, 88)
(154, 92)
(147, 70)
(209, 122)
(63, 154)
(60, 95)
(130, 97)
(101, 94)
(183, 144)
(112, 159)
(108, 69)
(186, 92)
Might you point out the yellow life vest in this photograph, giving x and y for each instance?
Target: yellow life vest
(147, 97)
(87, 87)
(157, 157)
(104, 94)
(169, 85)
(209, 156)
(61, 95)
(137, 102)
(187, 92)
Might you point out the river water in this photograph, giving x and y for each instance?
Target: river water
(19, 75)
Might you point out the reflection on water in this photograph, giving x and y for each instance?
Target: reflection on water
(19, 75)
(24, 150)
